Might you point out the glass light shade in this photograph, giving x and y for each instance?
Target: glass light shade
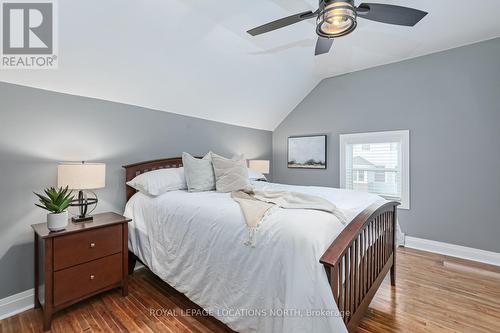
(261, 166)
(337, 19)
(81, 176)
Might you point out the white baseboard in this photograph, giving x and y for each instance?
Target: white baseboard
(17, 303)
(452, 250)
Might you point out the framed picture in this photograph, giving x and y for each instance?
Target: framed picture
(307, 152)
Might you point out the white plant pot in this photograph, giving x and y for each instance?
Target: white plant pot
(57, 222)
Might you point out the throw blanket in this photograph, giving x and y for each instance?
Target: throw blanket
(256, 205)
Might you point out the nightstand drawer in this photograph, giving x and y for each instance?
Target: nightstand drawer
(76, 282)
(74, 249)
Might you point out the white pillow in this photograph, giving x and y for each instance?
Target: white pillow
(230, 174)
(159, 181)
(256, 175)
(199, 173)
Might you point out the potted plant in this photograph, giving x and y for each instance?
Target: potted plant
(56, 201)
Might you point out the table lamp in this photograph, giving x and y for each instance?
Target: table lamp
(82, 177)
(261, 166)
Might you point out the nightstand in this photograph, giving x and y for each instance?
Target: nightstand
(83, 260)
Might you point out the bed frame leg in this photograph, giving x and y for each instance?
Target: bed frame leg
(132, 259)
(393, 275)
(394, 244)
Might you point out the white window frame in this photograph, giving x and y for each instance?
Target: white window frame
(403, 137)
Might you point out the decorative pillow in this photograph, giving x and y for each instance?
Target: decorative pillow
(256, 175)
(159, 181)
(230, 174)
(199, 173)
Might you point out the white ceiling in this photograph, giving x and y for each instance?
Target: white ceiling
(194, 57)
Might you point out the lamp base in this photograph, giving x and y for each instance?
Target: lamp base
(80, 219)
(83, 202)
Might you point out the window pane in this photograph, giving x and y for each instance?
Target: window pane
(374, 167)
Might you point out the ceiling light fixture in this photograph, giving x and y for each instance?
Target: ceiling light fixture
(336, 18)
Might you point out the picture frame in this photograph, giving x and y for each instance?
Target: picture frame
(307, 152)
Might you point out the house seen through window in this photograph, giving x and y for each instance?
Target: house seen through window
(377, 163)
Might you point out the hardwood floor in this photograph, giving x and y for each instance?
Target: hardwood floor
(433, 294)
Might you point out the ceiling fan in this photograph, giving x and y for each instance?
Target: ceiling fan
(336, 18)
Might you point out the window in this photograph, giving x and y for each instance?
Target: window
(380, 176)
(359, 176)
(377, 162)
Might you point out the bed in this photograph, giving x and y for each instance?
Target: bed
(308, 272)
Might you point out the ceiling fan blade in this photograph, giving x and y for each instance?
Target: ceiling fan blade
(323, 45)
(289, 20)
(390, 14)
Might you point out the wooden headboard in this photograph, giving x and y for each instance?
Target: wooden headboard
(132, 170)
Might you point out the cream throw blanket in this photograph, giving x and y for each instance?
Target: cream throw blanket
(257, 204)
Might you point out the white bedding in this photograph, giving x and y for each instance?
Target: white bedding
(195, 242)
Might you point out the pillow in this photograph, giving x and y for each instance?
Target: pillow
(159, 181)
(256, 175)
(199, 173)
(230, 174)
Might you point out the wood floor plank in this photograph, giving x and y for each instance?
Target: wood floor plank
(433, 293)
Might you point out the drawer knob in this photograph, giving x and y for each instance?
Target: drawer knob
(92, 245)
(92, 276)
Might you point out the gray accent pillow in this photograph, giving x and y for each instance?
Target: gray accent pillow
(230, 174)
(199, 173)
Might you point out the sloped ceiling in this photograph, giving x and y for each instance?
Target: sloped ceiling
(194, 57)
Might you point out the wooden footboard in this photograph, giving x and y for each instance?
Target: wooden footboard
(358, 260)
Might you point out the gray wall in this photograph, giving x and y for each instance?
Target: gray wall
(450, 102)
(40, 128)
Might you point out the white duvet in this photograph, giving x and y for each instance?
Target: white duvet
(195, 243)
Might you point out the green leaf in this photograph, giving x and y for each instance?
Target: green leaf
(51, 193)
(56, 200)
(42, 207)
(42, 198)
(65, 204)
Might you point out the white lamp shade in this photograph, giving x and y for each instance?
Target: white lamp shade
(81, 176)
(259, 165)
